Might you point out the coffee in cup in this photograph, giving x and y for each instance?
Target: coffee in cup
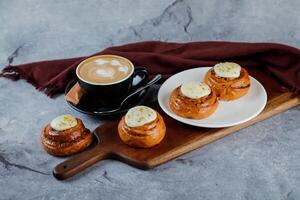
(108, 78)
(105, 69)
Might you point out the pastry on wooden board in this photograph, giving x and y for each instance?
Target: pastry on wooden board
(195, 100)
(65, 135)
(142, 127)
(229, 80)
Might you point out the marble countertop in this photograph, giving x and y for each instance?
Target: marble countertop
(259, 162)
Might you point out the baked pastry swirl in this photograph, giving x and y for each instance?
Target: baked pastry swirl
(65, 135)
(193, 100)
(142, 127)
(229, 80)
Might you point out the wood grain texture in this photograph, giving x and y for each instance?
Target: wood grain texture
(180, 138)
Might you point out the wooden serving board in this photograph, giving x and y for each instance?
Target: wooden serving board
(179, 139)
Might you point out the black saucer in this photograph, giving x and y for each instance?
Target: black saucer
(89, 106)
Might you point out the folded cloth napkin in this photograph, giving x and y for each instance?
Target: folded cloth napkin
(279, 60)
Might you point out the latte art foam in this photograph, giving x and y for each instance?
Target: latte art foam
(104, 69)
(105, 72)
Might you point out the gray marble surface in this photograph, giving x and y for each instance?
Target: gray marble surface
(259, 162)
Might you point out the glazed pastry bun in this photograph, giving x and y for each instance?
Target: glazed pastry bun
(229, 80)
(142, 127)
(194, 100)
(65, 135)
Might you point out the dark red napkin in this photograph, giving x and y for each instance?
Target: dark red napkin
(279, 60)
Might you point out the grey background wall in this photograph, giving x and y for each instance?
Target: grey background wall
(57, 29)
(259, 162)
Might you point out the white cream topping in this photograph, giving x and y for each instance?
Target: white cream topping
(195, 90)
(63, 122)
(227, 70)
(139, 116)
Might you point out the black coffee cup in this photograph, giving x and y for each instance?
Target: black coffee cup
(113, 93)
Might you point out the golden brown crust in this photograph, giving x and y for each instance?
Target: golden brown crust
(228, 89)
(144, 136)
(192, 108)
(66, 142)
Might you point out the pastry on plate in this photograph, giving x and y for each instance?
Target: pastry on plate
(65, 135)
(195, 100)
(142, 127)
(229, 80)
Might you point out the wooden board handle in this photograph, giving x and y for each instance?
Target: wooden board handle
(80, 162)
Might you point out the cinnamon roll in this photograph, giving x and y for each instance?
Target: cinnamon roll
(65, 135)
(142, 127)
(194, 100)
(229, 80)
